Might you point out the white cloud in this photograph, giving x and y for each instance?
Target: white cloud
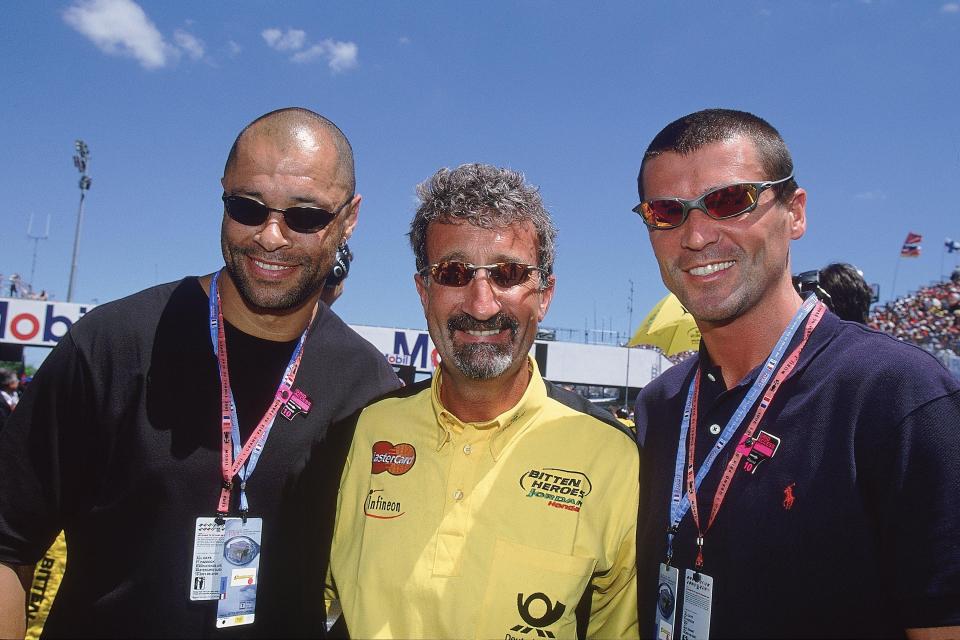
(343, 55)
(189, 43)
(311, 54)
(120, 27)
(404, 40)
(233, 49)
(950, 7)
(340, 56)
(292, 40)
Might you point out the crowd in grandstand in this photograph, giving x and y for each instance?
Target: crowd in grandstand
(929, 317)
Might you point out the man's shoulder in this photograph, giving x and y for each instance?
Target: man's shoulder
(670, 382)
(856, 352)
(331, 333)
(574, 401)
(406, 401)
(139, 312)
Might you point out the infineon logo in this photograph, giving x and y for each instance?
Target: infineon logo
(395, 459)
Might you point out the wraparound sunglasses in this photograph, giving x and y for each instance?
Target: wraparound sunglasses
(726, 202)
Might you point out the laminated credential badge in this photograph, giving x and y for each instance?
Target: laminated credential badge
(240, 564)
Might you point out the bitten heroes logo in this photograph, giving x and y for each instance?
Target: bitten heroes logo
(562, 489)
(395, 459)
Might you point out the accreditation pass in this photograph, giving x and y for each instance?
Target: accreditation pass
(240, 554)
(207, 555)
(697, 600)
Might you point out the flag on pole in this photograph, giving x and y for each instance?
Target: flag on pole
(911, 246)
(952, 245)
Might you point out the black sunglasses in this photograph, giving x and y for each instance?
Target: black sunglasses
(726, 202)
(252, 213)
(453, 273)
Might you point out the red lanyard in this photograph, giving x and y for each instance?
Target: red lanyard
(229, 467)
(782, 374)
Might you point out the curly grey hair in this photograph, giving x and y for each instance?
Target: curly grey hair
(484, 196)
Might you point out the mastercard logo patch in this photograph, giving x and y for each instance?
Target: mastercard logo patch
(395, 459)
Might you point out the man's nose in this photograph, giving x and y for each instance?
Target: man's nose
(482, 297)
(699, 230)
(274, 233)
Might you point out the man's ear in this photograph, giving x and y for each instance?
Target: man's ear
(546, 296)
(351, 213)
(422, 290)
(798, 214)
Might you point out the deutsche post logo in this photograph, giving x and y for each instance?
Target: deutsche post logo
(395, 459)
(552, 613)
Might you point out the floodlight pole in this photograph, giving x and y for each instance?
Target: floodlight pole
(626, 383)
(80, 161)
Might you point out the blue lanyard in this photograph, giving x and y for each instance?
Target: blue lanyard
(679, 502)
(247, 469)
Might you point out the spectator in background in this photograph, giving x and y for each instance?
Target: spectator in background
(15, 285)
(850, 295)
(9, 396)
(928, 317)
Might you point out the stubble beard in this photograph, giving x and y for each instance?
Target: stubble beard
(274, 297)
(756, 282)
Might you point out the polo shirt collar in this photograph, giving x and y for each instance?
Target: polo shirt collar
(818, 340)
(506, 426)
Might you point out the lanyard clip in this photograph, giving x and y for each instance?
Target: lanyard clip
(699, 562)
(219, 518)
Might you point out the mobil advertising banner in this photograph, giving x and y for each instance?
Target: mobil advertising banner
(402, 346)
(37, 323)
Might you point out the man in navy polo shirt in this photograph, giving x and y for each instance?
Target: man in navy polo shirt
(801, 474)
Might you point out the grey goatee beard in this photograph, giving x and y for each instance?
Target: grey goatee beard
(483, 361)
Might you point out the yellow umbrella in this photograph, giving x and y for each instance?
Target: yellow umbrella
(668, 327)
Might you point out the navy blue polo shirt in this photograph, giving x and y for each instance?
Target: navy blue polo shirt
(852, 529)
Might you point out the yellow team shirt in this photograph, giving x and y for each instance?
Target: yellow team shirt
(448, 529)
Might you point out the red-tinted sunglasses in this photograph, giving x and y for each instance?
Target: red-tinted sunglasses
(300, 219)
(453, 273)
(726, 202)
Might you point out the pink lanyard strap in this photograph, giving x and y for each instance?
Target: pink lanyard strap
(229, 429)
(782, 374)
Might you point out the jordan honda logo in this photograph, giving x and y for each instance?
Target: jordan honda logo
(551, 615)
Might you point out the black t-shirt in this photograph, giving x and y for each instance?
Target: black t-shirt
(851, 529)
(117, 441)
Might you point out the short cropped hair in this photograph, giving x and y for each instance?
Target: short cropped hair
(484, 196)
(280, 122)
(696, 130)
(850, 295)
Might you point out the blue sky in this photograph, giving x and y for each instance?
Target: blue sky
(865, 93)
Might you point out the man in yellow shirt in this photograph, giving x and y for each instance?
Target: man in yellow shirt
(486, 502)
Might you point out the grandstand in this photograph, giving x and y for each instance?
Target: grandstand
(928, 317)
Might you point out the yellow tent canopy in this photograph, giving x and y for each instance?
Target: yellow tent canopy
(669, 327)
